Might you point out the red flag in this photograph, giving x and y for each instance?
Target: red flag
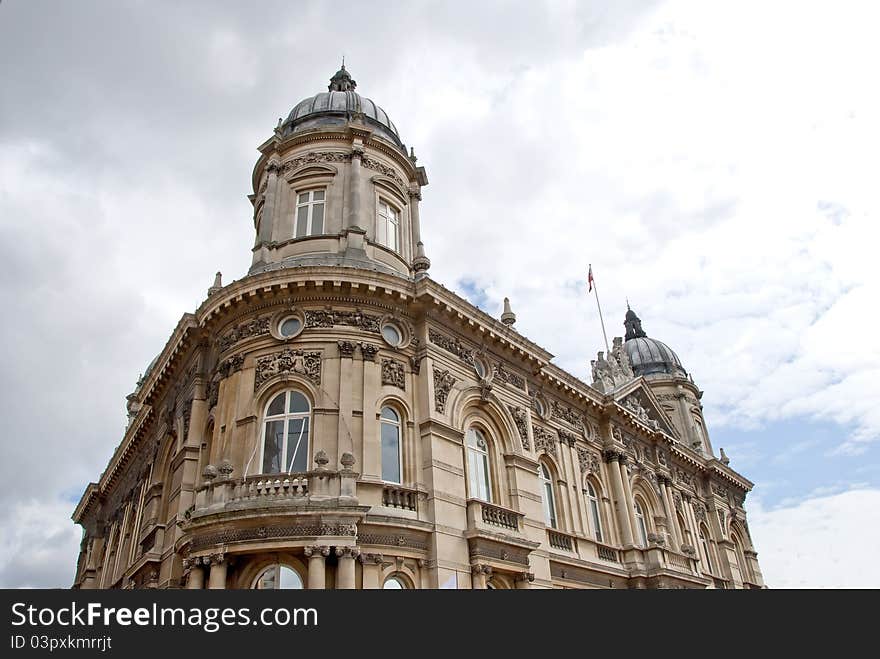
(590, 279)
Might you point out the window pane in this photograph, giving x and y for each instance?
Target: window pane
(290, 327)
(380, 231)
(391, 334)
(276, 406)
(302, 221)
(288, 579)
(390, 453)
(303, 198)
(549, 510)
(273, 447)
(317, 219)
(479, 475)
(297, 444)
(392, 584)
(391, 415)
(268, 579)
(318, 195)
(392, 236)
(298, 403)
(597, 525)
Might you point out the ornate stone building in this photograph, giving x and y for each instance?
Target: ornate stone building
(337, 419)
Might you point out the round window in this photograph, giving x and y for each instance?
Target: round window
(290, 326)
(480, 367)
(391, 334)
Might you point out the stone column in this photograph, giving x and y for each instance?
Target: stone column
(317, 569)
(480, 575)
(354, 187)
(196, 578)
(268, 219)
(677, 537)
(371, 569)
(524, 580)
(345, 569)
(217, 577)
(628, 496)
(623, 523)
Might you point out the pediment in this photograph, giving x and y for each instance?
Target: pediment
(310, 170)
(640, 403)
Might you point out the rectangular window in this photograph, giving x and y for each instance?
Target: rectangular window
(388, 226)
(309, 213)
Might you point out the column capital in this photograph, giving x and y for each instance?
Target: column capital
(370, 559)
(612, 455)
(481, 568)
(316, 551)
(215, 559)
(348, 551)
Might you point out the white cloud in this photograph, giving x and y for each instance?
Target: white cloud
(820, 542)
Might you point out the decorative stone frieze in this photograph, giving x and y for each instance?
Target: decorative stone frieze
(252, 328)
(544, 440)
(314, 157)
(451, 345)
(329, 318)
(443, 381)
(520, 418)
(588, 460)
(393, 373)
(288, 360)
(570, 416)
(502, 374)
(385, 170)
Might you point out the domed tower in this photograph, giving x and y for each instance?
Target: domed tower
(334, 186)
(671, 383)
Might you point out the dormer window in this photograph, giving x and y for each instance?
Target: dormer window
(309, 213)
(388, 226)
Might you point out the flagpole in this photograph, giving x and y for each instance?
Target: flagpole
(599, 306)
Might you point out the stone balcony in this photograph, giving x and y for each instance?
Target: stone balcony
(492, 518)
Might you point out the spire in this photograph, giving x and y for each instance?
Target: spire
(341, 80)
(633, 325)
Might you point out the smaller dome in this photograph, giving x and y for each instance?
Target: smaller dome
(646, 355)
(650, 357)
(335, 106)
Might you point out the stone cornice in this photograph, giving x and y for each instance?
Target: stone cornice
(721, 470)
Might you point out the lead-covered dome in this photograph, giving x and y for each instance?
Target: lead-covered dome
(336, 106)
(646, 355)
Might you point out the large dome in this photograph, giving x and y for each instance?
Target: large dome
(646, 355)
(335, 106)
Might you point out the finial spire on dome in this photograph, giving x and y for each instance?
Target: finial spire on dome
(633, 325)
(341, 80)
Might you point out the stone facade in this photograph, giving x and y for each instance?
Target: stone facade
(377, 349)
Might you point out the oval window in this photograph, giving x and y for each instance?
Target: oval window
(290, 326)
(391, 334)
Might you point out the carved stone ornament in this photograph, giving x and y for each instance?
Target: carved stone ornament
(255, 327)
(330, 318)
(393, 373)
(314, 158)
(443, 382)
(368, 350)
(544, 440)
(230, 366)
(608, 374)
(699, 511)
(385, 170)
(346, 348)
(288, 360)
(502, 374)
(451, 345)
(588, 460)
(566, 414)
(520, 418)
(566, 437)
(720, 490)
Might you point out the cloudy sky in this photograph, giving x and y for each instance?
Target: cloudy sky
(715, 162)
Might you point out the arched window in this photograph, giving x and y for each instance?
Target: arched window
(391, 463)
(278, 577)
(394, 583)
(744, 568)
(286, 434)
(479, 483)
(595, 516)
(640, 524)
(704, 547)
(547, 495)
